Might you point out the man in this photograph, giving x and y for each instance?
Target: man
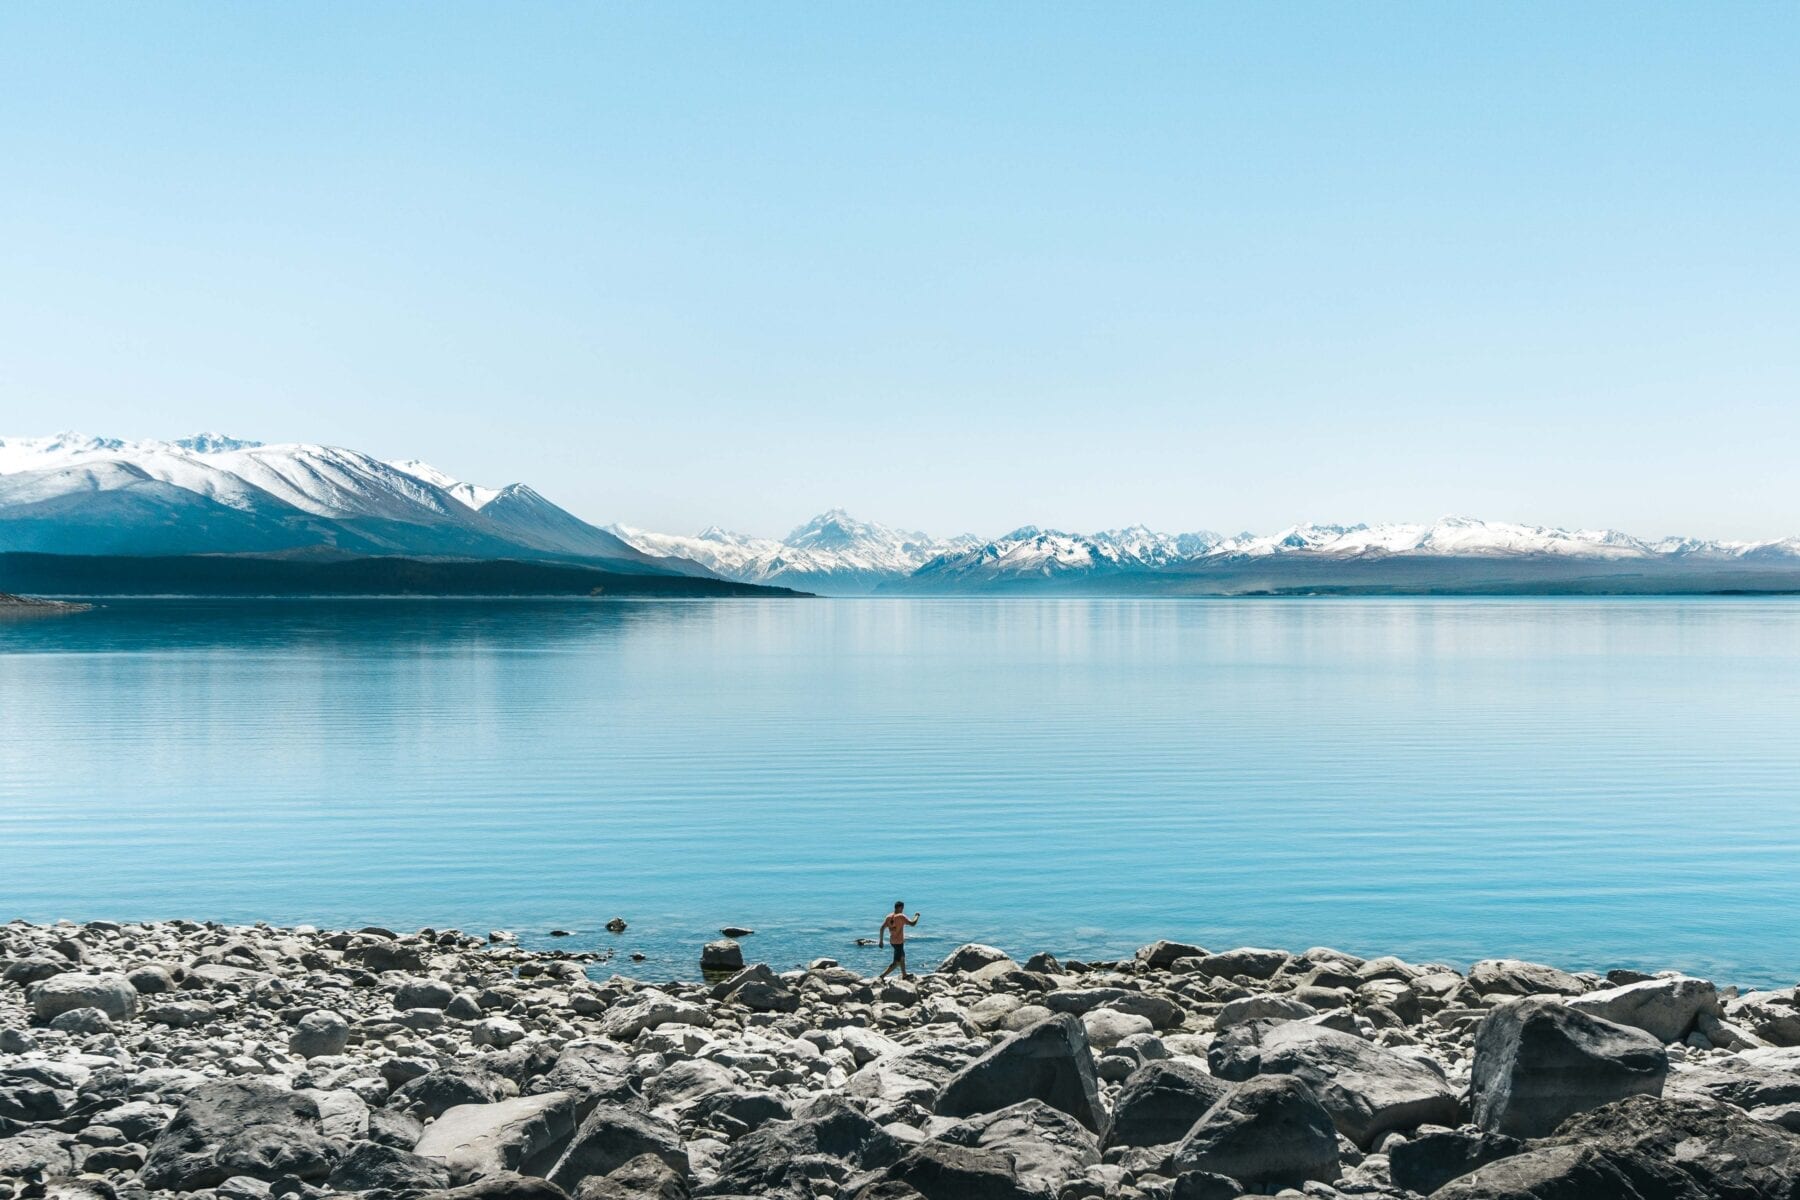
(893, 929)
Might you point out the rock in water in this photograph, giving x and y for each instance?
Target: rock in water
(526, 1135)
(1159, 1103)
(1538, 1062)
(111, 993)
(1664, 1008)
(722, 955)
(1050, 1061)
(1268, 1133)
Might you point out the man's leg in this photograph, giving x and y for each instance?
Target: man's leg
(900, 961)
(885, 970)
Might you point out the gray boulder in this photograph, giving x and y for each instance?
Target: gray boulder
(1268, 1133)
(939, 1170)
(1565, 1172)
(1159, 1102)
(438, 1091)
(1367, 1090)
(611, 1136)
(1264, 1006)
(1248, 961)
(1538, 1062)
(525, 1135)
(722, 955)
(1433, 1157)
(111, 993)
(371, 1167)
(1664, 1008)
(503, 1187)
(423, 993)
(1722, 1151)
(1050, 1061)
(1163, 955)
(972, 956)
(829, 1141)
(1046, 1147)
(1515, 977)
(319, 1034)
(238, 1127)
(645, 1177)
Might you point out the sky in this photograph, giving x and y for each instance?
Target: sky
(953, 267)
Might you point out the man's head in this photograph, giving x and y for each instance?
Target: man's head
(899, 906)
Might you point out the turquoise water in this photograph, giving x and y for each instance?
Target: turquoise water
(1588, 782)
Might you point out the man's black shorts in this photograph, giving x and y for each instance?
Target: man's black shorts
(899, 956)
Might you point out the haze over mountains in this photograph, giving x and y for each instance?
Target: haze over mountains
(71, 494)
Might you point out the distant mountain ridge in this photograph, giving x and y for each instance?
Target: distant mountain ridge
(213, 494)
(71, 494)
(1457, 554)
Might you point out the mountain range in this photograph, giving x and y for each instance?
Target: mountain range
(71, 494)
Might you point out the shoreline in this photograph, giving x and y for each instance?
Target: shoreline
(253, 1062)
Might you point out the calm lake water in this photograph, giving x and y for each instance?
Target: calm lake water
(1587, 782)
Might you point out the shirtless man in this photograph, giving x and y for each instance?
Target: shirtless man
(893, 929)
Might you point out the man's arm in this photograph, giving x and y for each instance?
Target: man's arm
(882, 939)
(914, 920)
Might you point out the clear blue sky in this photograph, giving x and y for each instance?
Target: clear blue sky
(953, 267)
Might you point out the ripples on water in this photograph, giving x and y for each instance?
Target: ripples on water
(1590, 782)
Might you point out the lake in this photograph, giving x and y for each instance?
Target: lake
(1587, 782)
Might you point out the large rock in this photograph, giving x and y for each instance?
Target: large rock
(438, 1091)
(1159, 1102)
(722, 955)
(1268, 1133)
(1538, 1062)
(645, 1177)
(611, 1136)
(1771, 1016)
(915, 1075)
(371, 1166)
(1163, 955)
(829, 1140)
(1367, 1090)
(972, 956)
(1564, 1172)
(1047, 1147)
(1249, 961)
(503, 1187)
(238, 1127)
(945, 1171)
(1721, 1150)
(1263, 1006)
(1049, 1061)
(525, 1135)
(319, 1034)
(650, 1009)
(1426, 1162)
(1664, 1008)
(112, 994)
(1515, 977)
(592, 1072)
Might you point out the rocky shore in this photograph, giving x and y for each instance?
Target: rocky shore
(253, 1063)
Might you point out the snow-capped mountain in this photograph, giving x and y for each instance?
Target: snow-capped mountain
(833, 553)
(74, 494)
